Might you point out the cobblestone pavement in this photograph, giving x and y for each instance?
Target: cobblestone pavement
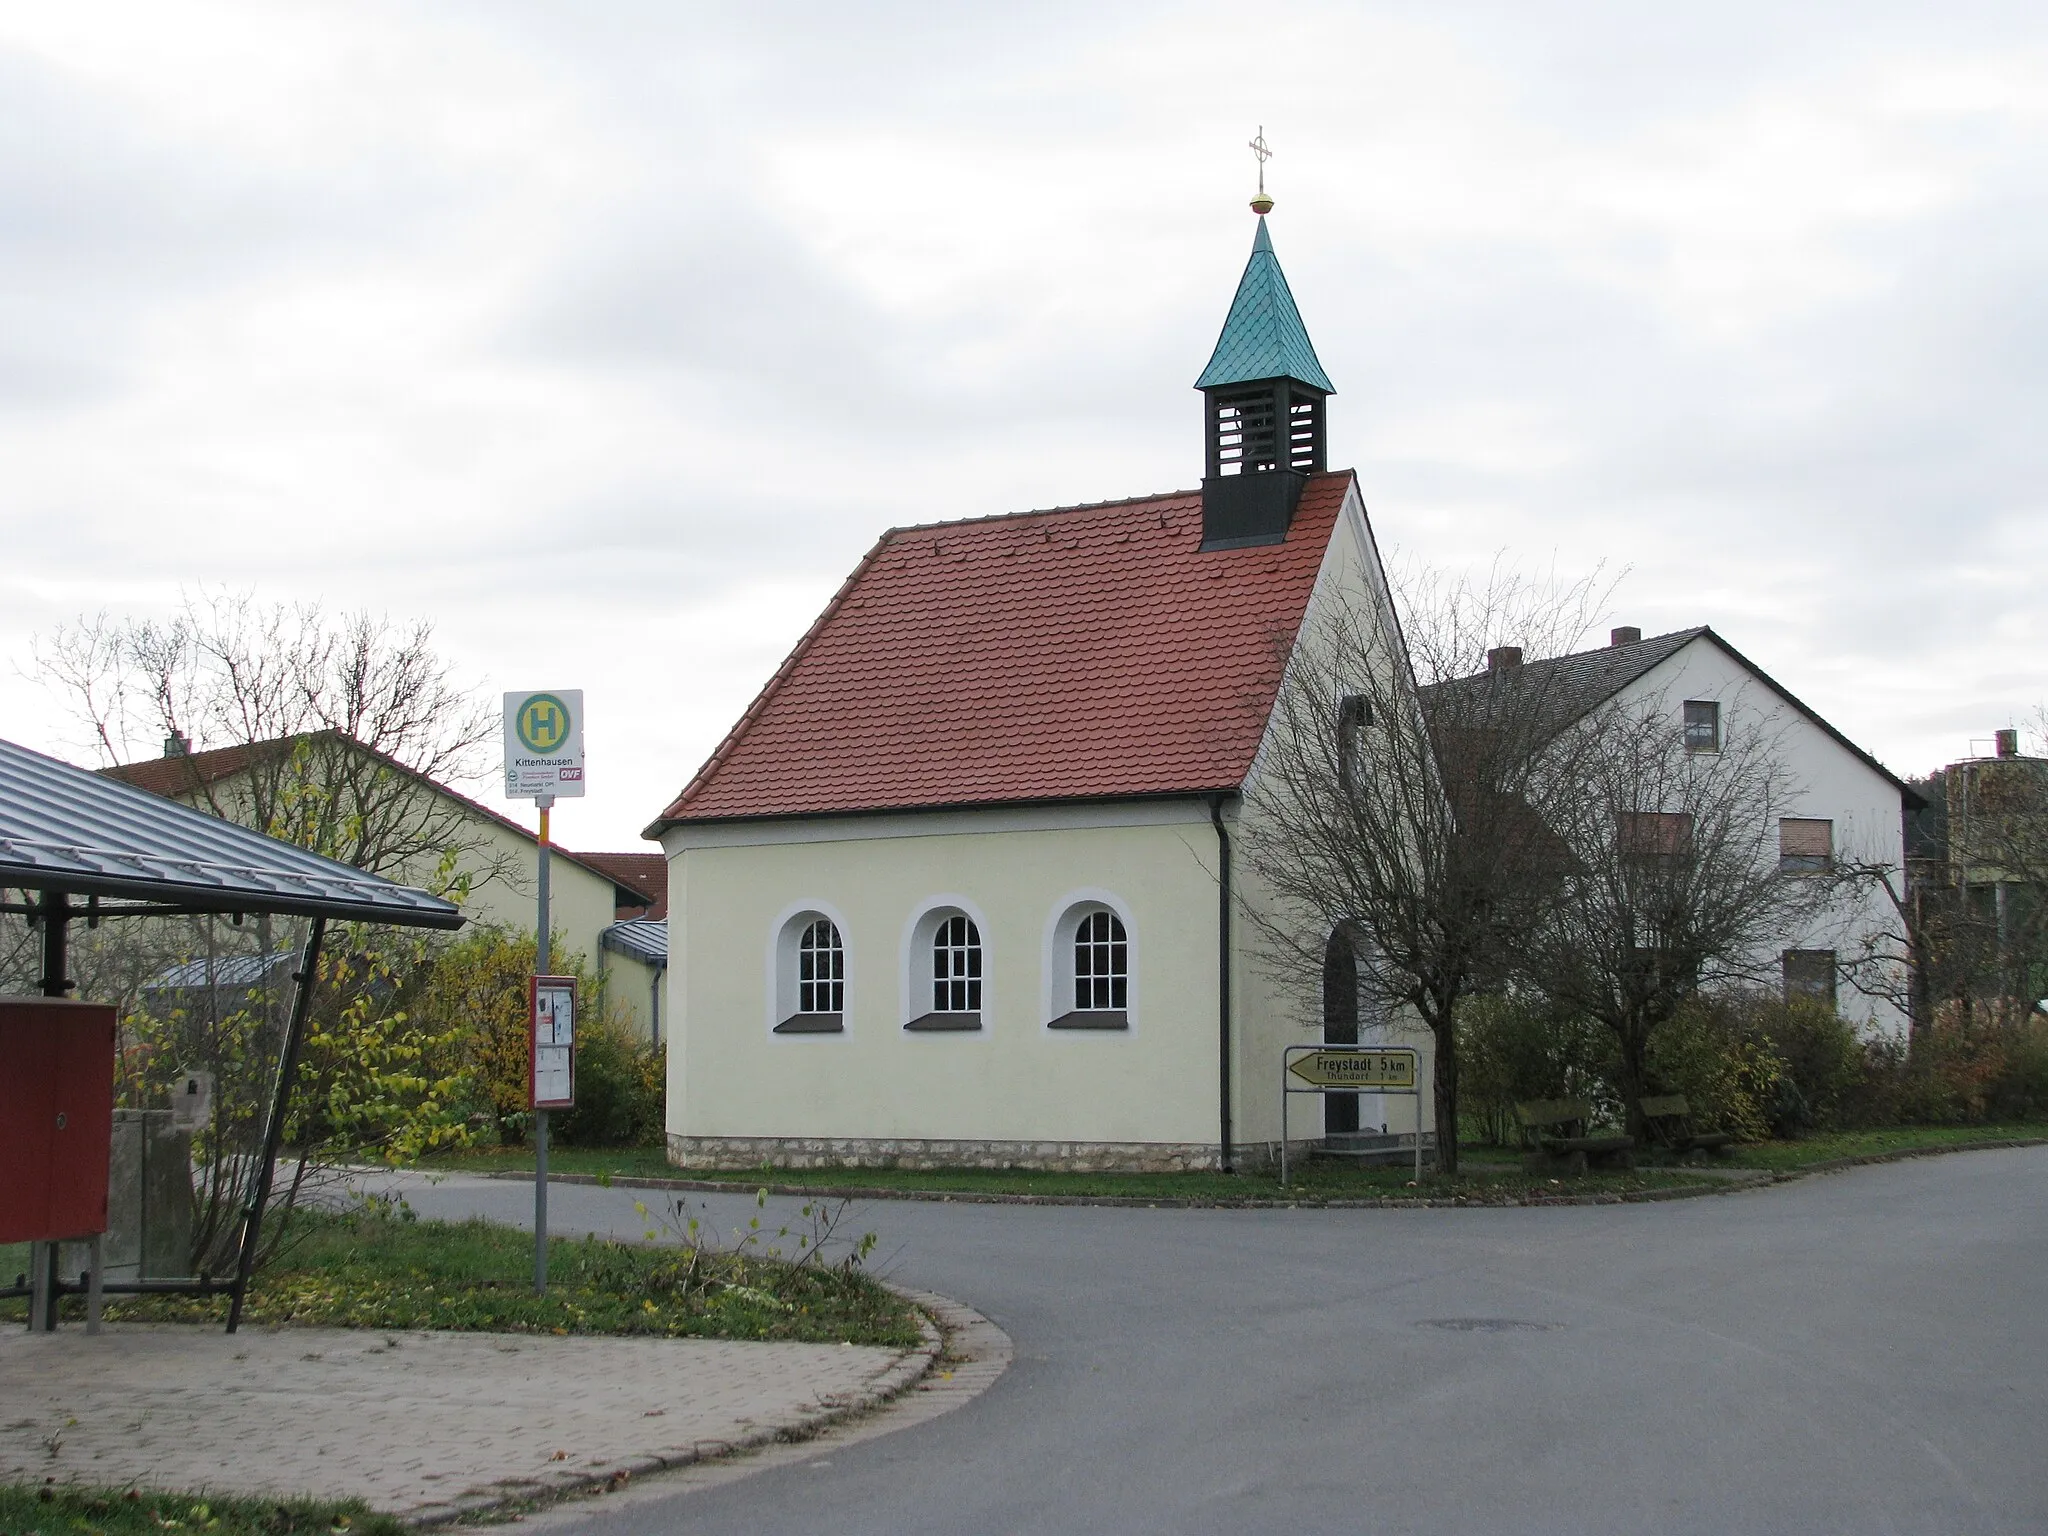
(426, 1425)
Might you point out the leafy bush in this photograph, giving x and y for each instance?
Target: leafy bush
(478, 987)
(1513, 1048)
(621, 1090)
(1713, 1051)
(1963, 1069)
(1757, 1065)
(477, 991)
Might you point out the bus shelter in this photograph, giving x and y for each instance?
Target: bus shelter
(78, 846)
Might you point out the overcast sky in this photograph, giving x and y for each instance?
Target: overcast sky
(609, 335)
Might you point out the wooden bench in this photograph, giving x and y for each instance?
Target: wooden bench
(1555, 1137)
(1669, 1122)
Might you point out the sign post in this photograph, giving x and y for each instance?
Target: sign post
(1392, 1070)
(543, 759)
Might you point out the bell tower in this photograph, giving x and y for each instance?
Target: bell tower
(1263, 397)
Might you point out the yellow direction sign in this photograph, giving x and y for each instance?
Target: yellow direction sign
(1355, 1069)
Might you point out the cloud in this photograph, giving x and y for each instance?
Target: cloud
(610, 340)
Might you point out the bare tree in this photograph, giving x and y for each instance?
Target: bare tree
(1664, 876)
(1403, 812)
(330, 719)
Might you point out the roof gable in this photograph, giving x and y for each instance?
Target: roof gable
(1584, 680)
(1263, 337)
(1085, 653)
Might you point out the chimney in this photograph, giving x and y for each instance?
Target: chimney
(1627, 634)
(177, 744)
(2008, 742)
(1501, 657)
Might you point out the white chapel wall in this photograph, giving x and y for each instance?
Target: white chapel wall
(739, 1092)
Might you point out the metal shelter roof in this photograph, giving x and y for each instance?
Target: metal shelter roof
(643, 938)
(1263, 337)
(65, 829)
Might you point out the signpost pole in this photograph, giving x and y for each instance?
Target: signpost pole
(540, 1116)
(1283, 1120)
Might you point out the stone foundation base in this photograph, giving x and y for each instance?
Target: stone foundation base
(737, 1152)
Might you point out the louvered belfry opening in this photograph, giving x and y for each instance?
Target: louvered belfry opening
(1264, 441)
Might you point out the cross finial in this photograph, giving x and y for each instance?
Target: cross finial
(1262, 204)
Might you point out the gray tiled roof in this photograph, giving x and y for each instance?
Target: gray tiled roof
(1579, 683)
(643, 938)
(65, 829)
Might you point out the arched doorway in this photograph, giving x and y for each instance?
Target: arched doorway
(1340, 1024)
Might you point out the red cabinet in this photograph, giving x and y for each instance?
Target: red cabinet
(56, 1117)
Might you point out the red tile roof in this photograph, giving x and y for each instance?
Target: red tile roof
(1088, 652)
(192, 772)
(646, 873)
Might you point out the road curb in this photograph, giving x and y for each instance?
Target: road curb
(1757, 1178)
(1126, 1202)
(1902, 1154)
(939, 1317)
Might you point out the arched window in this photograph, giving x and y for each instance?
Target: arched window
(1102, 963)
(946, 967)
(810, 976)
(956, 966)
(1088, 966)
(820, 969)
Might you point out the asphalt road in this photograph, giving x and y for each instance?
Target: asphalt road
(1865, 1351)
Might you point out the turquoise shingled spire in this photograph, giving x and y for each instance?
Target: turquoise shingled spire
(1263, 338)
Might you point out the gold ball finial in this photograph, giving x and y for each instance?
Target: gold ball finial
(1262, 205)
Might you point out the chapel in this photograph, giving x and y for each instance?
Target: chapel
(958, 889)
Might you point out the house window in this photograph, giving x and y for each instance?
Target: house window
(1806, 845)
(1702, 725)
(1654, 834)
(1354, 714)
(1810, 973)
(810, 976)
(820, 969)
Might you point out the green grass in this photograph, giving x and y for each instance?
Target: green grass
(69, 1510)
(380, 1271)
(1785, 1156)
(1499, 1182)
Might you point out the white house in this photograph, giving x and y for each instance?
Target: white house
(1846, 805)
(958, 886)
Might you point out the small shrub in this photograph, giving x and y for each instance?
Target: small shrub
(1823, 1058)
(1713, 1052)
(1515, 1048)
(620, 1090)
(1964, 1068)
